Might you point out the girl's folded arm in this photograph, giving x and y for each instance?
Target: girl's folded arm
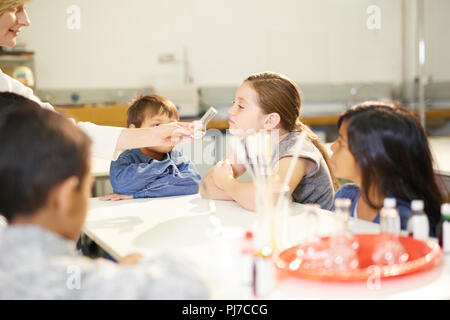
(215, 192)
(244, 192)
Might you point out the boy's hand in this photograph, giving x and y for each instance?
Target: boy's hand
(222, 171)
(115, 197)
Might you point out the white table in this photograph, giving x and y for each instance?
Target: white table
(179, 224)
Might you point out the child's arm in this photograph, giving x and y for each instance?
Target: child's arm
(244, 192)
(215, 192)
(211, 189)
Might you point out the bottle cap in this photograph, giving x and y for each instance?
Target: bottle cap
(389, 203)
(342, 202)
(417, 205)
(445, 209)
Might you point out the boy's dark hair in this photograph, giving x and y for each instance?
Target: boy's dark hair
(12, 100)
(39, 149)
(391, 148)
(153, 105)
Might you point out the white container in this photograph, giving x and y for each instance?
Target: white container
(418, 225)
(264, 276)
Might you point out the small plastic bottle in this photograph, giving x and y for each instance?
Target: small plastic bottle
(443, 228)
(247, 254)
(263, 271)
(389, 217)
(418, 225)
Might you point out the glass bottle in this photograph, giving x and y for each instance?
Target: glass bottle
(389, 251)
(343, 246)
(312, 252)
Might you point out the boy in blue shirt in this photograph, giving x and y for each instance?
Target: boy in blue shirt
(154, 171)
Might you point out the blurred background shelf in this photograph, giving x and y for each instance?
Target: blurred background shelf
(108, 115)
(116, 114)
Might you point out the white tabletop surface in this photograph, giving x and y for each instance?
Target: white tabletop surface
(180, 224)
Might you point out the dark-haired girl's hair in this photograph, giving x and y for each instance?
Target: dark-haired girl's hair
(391, 148)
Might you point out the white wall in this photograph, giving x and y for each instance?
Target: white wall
(323, 41)
(437, 29)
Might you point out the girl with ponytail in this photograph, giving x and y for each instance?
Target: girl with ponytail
(270, 101)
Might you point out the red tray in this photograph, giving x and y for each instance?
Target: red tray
(421, 256)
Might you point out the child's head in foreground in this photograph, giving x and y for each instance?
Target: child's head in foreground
(150, 111)
(44, 168)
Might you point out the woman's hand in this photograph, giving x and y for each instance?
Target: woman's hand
(174, 133)
(223, 172)
(168, 134)
(115, 197)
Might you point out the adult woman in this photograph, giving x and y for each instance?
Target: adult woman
(107, 141)
(384, 150)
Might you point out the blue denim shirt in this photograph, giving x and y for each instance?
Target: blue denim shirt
(352, 192)
(136, 174)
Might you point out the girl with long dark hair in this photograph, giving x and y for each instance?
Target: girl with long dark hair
(384, 150)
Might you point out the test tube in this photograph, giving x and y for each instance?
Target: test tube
(208, 116)
(200, 125)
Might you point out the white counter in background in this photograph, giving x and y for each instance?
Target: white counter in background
(440, 147)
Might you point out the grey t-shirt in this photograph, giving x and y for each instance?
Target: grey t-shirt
(316, 187)
(38, 264)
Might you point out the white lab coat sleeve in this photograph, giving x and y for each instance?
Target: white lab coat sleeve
(104, 138)
(8, 84)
